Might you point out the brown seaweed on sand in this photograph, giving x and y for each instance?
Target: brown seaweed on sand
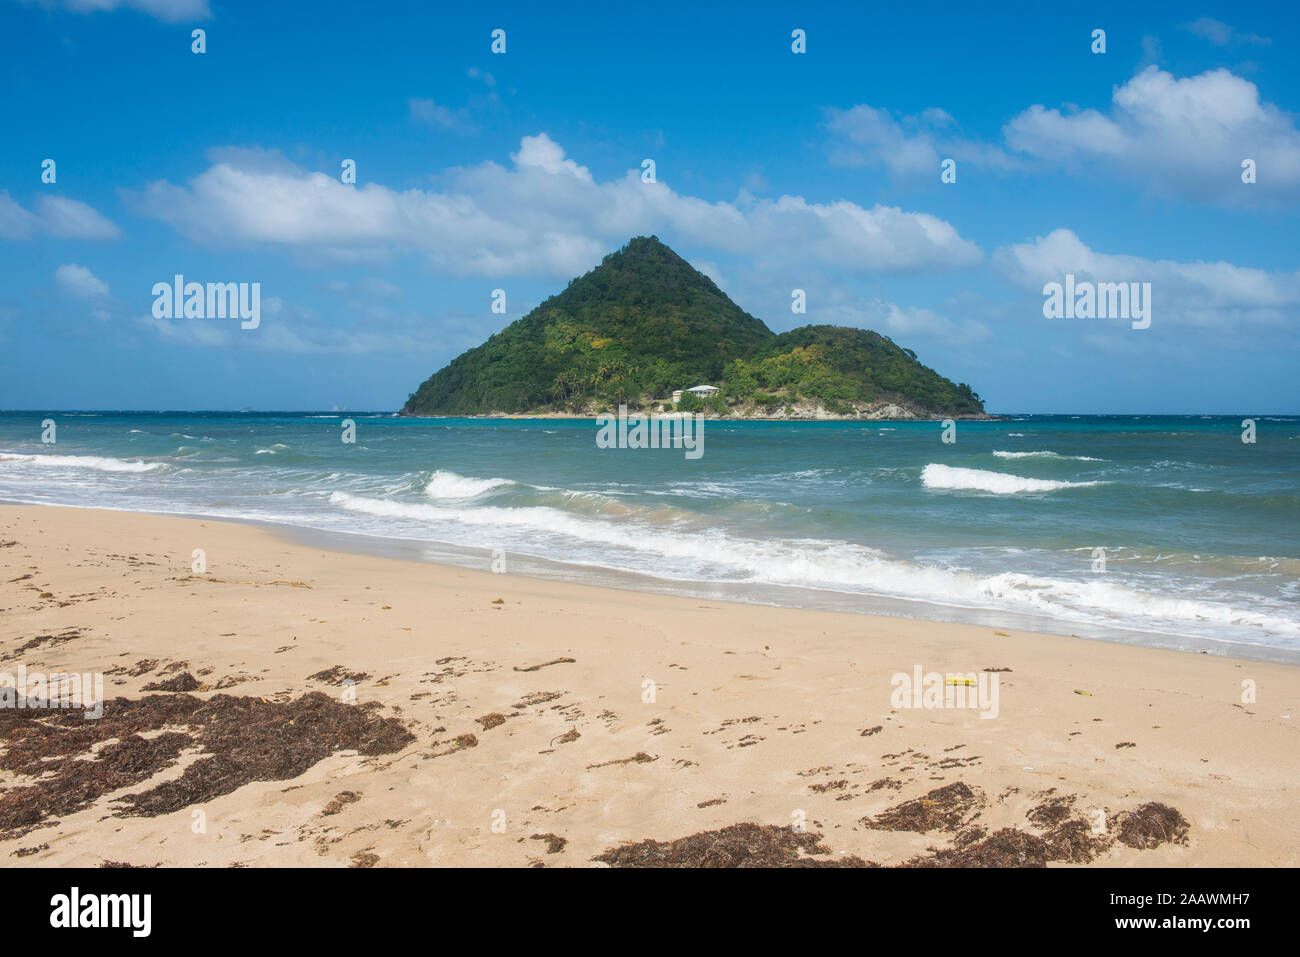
(182, 682)
(72, 762)
(1151, 825)
(943, 809)
(740, 845)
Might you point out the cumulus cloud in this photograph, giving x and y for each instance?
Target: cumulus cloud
(840, 305)
(80, 282)
(1186, 135)
(1196, 294)
(54, 216)
(1175, 136)
(70, 219)
(169, 11)
(544, 215)
(914, 322)
(909, 146)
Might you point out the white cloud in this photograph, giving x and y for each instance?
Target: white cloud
(70, 219)
(299, 330)
(712, 270)
(170, 11)
(54, 216)
(544, 153)
(1201, 294)
(433, 114)
(1175, 136)
(841, 306)
(1222, 35)
(15, 222)
(81, 282)
(913, 322)
(1186, 135)
(546, 215)
(909, 147)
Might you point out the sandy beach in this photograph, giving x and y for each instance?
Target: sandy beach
(339, 709)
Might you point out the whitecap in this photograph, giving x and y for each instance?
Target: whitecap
(999, 483)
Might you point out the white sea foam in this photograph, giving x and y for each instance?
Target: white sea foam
(815, 563)
(95, 462)
(978, 480)
(1046, 455)
(1123, 603)
(449, 485)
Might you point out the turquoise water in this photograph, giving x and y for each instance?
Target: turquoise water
(1199, 530)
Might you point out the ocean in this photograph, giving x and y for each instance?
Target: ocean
(1161, 530)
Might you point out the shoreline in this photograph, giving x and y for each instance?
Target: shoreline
(708, 416)
(796, 597)
(528, 697)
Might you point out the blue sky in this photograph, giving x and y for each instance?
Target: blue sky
(774, 171)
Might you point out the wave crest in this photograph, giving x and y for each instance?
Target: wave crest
(1046, 455)
(999, 483)
(96, 462)
(450, 485)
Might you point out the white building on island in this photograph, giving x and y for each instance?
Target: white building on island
(703, 391)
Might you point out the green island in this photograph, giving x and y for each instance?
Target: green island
(645, 328)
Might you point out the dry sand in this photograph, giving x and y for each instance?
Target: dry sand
(758, 715)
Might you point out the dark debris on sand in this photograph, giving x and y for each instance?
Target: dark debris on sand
(740, 845)
(554, 843)
(1052, 812)
(339, 802)
(1065, 837)
(943, 809)
(1008, 847)
(27, 647)
(1151, 825)
(337, 675)
(72, 762)
(182, 682)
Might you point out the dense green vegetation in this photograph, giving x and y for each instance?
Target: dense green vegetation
(644, 323)
(838, 365)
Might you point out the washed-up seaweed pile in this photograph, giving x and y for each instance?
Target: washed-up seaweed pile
(1059, 834)
(72, 762)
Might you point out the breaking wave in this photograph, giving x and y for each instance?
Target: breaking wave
(452, 486)
(999, 483)
(95, 462)
(1046, 455)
